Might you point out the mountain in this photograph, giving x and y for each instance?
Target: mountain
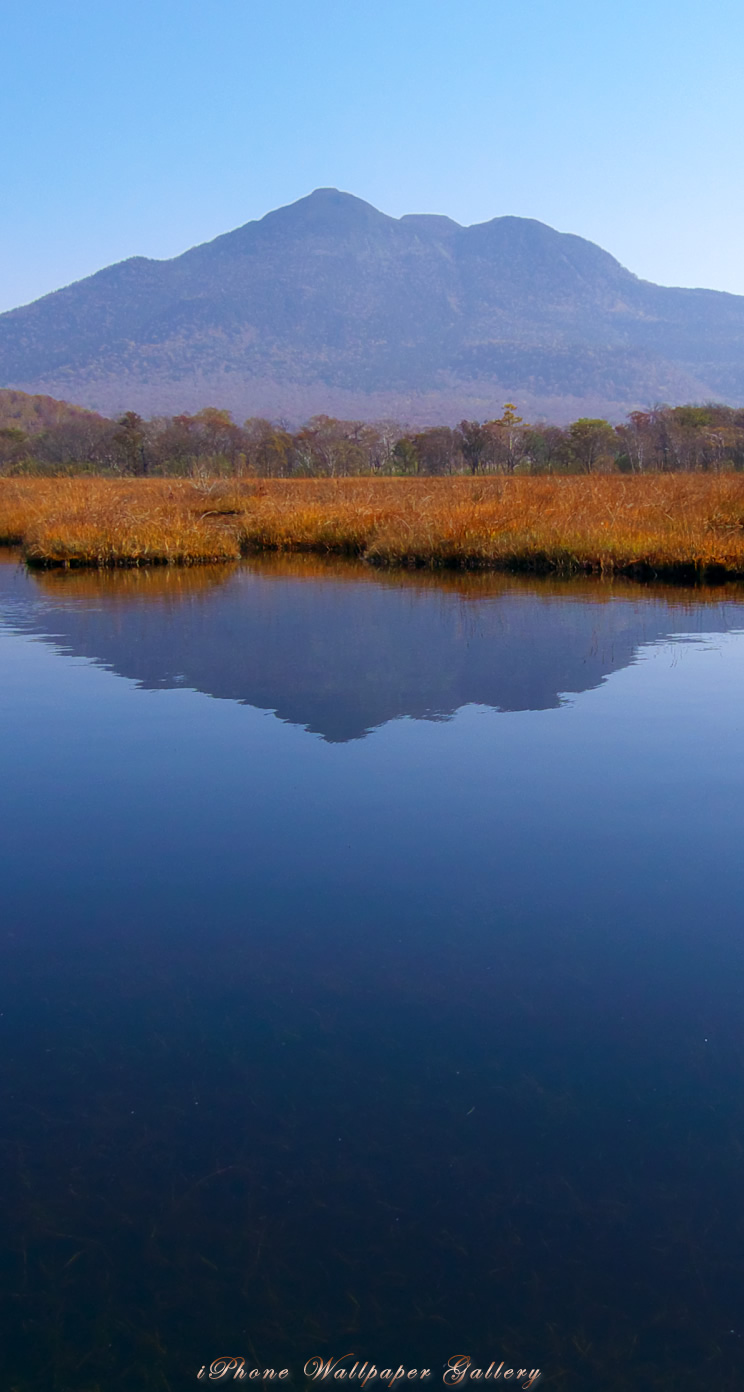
(342, 653)
(331, 306)
(33, 414)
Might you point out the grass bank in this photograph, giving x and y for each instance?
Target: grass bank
(666, 525)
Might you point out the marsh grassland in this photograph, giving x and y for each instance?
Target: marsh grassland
(666, 525)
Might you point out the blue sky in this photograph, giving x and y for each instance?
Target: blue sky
(144, 128)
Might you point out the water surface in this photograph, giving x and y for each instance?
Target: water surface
(371, 975)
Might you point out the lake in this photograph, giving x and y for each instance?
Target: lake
(372, 976)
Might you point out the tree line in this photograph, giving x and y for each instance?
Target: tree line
(664, 439)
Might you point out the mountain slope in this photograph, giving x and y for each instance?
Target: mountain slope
(330, 305)
(34, 414)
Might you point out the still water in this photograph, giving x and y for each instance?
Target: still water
(372, 976)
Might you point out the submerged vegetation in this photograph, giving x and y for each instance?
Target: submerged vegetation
(686, 525)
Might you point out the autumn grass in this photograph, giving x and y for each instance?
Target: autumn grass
(104, 522)
(682, 524)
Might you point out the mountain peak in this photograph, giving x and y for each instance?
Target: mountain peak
(329, 306)
(326, 209)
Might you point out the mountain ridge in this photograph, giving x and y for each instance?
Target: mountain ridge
(328, 304)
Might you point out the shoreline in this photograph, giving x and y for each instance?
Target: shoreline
(672, 527)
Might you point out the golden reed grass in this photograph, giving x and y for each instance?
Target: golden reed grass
(657, 524)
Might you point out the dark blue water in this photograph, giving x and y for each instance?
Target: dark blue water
(372, 976)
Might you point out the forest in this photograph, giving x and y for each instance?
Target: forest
(41, 436)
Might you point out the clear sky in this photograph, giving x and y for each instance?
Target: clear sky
(142, 128)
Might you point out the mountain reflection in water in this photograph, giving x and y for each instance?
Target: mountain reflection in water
(410, 1046)
(342, 650)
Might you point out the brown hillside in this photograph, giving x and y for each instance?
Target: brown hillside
(32, 414)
